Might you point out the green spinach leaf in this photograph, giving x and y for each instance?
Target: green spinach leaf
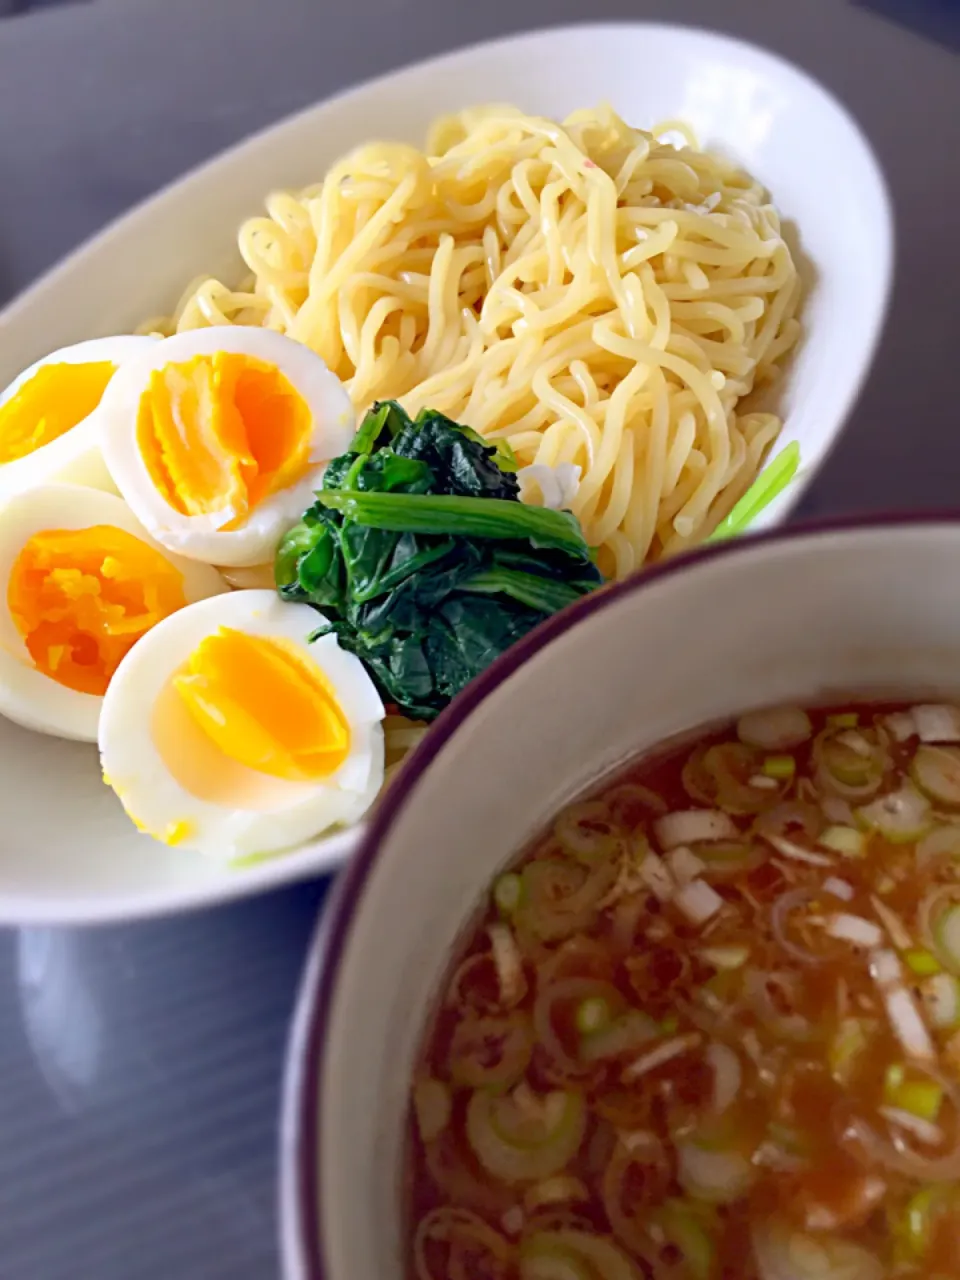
(423, 560)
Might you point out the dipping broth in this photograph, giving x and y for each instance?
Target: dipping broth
(709, 1025)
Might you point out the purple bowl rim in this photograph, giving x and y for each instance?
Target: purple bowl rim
(339, 912)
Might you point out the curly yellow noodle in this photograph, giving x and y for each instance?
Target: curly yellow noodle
(586, 291)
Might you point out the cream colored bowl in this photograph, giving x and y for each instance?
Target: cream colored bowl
(790, 617)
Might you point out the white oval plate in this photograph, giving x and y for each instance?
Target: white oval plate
(67, 852)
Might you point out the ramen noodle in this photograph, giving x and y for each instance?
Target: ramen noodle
(587, 292)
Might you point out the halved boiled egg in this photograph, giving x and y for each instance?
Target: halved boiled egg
(226, 731)
(218, 437)
(48, 415)
(82, 583)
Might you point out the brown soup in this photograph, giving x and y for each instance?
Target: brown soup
(709, 1025)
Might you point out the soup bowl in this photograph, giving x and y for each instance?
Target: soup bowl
(821, 614)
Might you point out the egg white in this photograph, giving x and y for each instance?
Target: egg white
(141, 709)
(203, 537)
(27, 696)
(74, 457)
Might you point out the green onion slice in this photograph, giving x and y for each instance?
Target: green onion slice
(936, 771)
(847, 841)
(508, 893)
(490, 1052)
(768, 486)
(779, 767)
(685, 1230)
(921, 1097)
(523, 1137)
(901, 817)
(843, 720)
(946, 932)
(922, 963)
(593, 1014)
(573, 1255)
(941, 998)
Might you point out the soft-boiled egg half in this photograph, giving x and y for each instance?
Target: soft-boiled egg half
(224, 730)
(218, 437)
(48, 427)
(82, 582)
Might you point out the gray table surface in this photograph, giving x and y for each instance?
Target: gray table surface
(140, 1066)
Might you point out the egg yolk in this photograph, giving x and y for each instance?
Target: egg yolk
(265, 706)
(222, 433)
(81, 598)
(49, 404)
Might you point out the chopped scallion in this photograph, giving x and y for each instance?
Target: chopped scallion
(593, 1014)
(919, 1097)
(922, 1098)
(724, 984)
(936, 771)
(893, 1078)
(941, 998)
(669, 1025)
(946, 932)
(900, 816)
(779, 766)
(431, 1100)
(934, 1209)
(508, 893)
(686, 1232)
(846, 1050)
(847, 841)
(621, 1035)
(923, 963)
(770, 483)
(843, 720)
(919, 1216)
(726, 957)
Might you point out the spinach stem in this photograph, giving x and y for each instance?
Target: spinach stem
(467, 517)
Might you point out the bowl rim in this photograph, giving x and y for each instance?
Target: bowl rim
(299, 1184)
(50, 277)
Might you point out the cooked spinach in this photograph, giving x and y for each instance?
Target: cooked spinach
(424, 561)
